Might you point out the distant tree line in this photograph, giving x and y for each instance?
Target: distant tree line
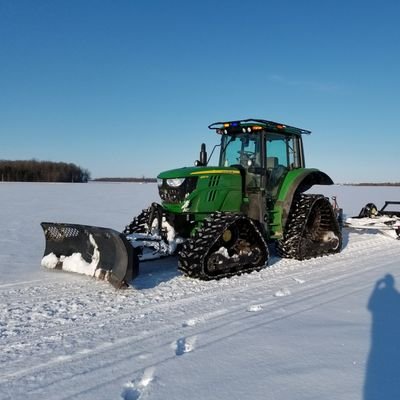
(41, 171)
(142, 180)
(373, 184)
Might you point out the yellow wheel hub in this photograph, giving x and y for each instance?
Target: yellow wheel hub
(227, 236)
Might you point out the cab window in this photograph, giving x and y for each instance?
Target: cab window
(281, 150)
(240, 150)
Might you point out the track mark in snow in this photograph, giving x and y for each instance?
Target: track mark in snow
(84, 351)
(136, 389)
(20, 283)
(63, 358)
(185, 345)
(204, 318)
(192, 322)
(282, 292)
(254, 308)
(298, 280)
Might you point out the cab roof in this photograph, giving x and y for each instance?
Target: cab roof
(253, 125)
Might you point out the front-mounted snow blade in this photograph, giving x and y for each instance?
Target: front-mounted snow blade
(90, 250)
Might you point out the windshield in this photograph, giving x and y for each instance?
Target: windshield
(240, 150)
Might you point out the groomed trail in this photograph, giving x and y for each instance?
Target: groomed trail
(294, 330)
(80, 338)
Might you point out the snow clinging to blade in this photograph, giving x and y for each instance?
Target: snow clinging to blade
(75, 262)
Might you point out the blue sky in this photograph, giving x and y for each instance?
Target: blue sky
(128, 88)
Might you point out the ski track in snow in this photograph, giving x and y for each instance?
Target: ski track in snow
(56, 337)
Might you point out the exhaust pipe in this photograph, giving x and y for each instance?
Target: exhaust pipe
(203, 157)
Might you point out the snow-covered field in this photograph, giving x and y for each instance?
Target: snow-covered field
(295, 330)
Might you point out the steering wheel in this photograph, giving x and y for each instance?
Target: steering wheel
(246, 158)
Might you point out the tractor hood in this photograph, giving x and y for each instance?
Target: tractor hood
(197, 171)
(200, 190)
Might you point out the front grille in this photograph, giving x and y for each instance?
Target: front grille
(177, 195)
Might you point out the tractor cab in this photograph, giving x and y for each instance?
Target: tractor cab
(264, 150)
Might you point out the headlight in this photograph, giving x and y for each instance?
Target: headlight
(159, 182)
(175, 182)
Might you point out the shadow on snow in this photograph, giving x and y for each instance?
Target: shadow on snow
(383, 366)
(152, 273)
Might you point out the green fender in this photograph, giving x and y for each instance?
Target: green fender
(296, 181)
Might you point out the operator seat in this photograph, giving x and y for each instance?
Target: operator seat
(275, 173)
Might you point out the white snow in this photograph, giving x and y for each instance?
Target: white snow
(254, 308)
(137, 389)
(329, 236)
(332, 335)
(50, 261)
(382, 224)
(152, 244)
(223, 251)
(282, 292)
(75, 262)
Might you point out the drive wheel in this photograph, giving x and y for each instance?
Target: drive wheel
(148, 221)
(312, 229)
(226, 244)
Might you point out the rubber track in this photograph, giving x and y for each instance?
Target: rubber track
(139, 223)
(290, 245)
(194, 250)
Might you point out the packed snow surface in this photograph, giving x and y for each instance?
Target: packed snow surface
(325, 328)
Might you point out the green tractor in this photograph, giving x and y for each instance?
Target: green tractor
(220, 220)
